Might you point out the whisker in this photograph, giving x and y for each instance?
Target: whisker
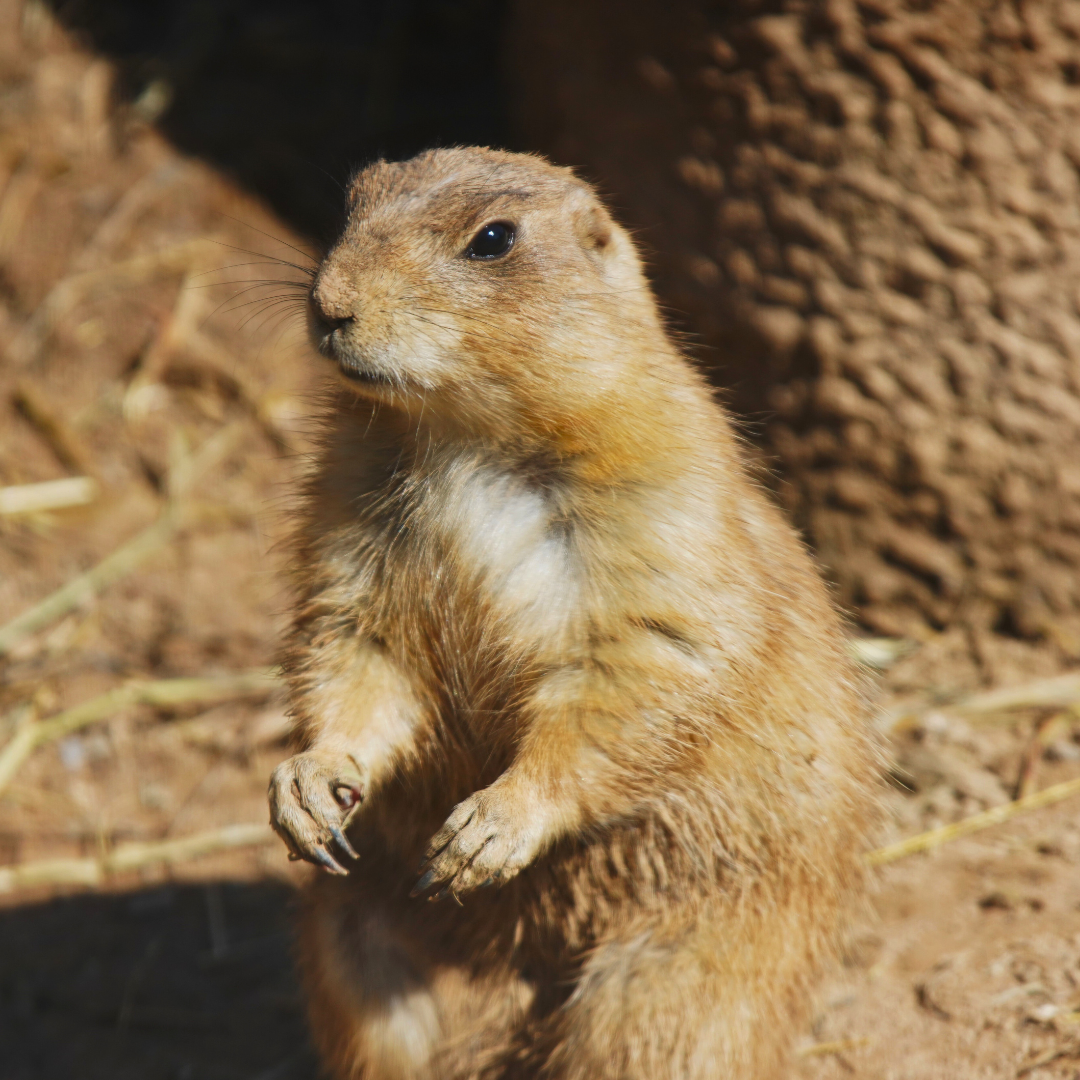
(276, 239)
(309, 270)
(260, 311)
(247, 303)
(281, 323)
(253, 262)
(280, 297)
(263, 314)
(268, 283)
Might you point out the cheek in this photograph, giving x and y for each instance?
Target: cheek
(429, 337)
(411, 334)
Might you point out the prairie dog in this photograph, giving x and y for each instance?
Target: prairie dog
(556, 648)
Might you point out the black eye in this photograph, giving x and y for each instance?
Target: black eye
(491, 241)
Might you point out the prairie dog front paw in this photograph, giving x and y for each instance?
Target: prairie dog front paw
(310, 797)
(487, 839)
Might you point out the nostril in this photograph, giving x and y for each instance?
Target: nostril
(333, 300)
(338, 322)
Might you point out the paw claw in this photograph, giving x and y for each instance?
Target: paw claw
(423, 884)
(342, 842)
(486, 841)
(324, 858)
(307, 811)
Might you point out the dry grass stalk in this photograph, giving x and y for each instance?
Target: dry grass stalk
(1059, 692)
(209, 733)
(1033, 752)
(19, 195)
(124, 215)
(124, 858)
(63, 442)
(85, 587)
(181, 349)
(79, 288)
(187, 471)
(127, 557)
(203, 358)
(995, 816)
(1055, 1053)
(880, 653)
(180, 324)
(161, 693)
(50, 495)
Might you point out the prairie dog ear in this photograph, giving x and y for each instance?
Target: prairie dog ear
(591, 222)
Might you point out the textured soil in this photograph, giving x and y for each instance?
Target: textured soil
(970, 970)
(866, 214)
(968, 967)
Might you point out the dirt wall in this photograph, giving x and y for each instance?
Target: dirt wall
(866, 214)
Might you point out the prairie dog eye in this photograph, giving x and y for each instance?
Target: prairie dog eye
(491, 241)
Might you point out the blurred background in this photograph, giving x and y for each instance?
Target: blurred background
(863, 216)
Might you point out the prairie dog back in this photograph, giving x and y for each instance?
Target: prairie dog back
(553, 643)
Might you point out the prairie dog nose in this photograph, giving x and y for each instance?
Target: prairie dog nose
(332, 298)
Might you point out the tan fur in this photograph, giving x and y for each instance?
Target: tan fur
(562, 645)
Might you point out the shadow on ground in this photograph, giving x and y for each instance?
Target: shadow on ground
(290, 96)
(175, 983)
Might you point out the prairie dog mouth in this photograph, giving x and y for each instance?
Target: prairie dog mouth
(330, 345)
(360, 376)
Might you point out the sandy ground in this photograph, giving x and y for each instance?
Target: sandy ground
(968, 966)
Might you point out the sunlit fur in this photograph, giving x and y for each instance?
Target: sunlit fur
(566, 648)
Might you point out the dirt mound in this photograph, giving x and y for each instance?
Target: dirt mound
(868, 213)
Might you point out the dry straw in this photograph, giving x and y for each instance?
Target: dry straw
(49, 495)
(1062, 691)
(1059, 692)
(77, 289)
(995, 816)
(125, 858)
(82, 589)
(163, 693)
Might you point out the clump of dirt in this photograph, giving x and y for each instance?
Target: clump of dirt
(866, 212)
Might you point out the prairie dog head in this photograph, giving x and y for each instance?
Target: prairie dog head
(488, 290)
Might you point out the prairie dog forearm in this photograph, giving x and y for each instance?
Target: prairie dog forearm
(349, 696)
(595, 741)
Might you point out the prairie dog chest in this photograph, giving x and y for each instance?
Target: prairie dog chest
(509, 541)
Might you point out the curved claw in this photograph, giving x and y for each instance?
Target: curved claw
(313, 796)
(325, 859)
(423, 884)
(342, 842)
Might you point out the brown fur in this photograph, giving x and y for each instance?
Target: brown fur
(547, 617)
